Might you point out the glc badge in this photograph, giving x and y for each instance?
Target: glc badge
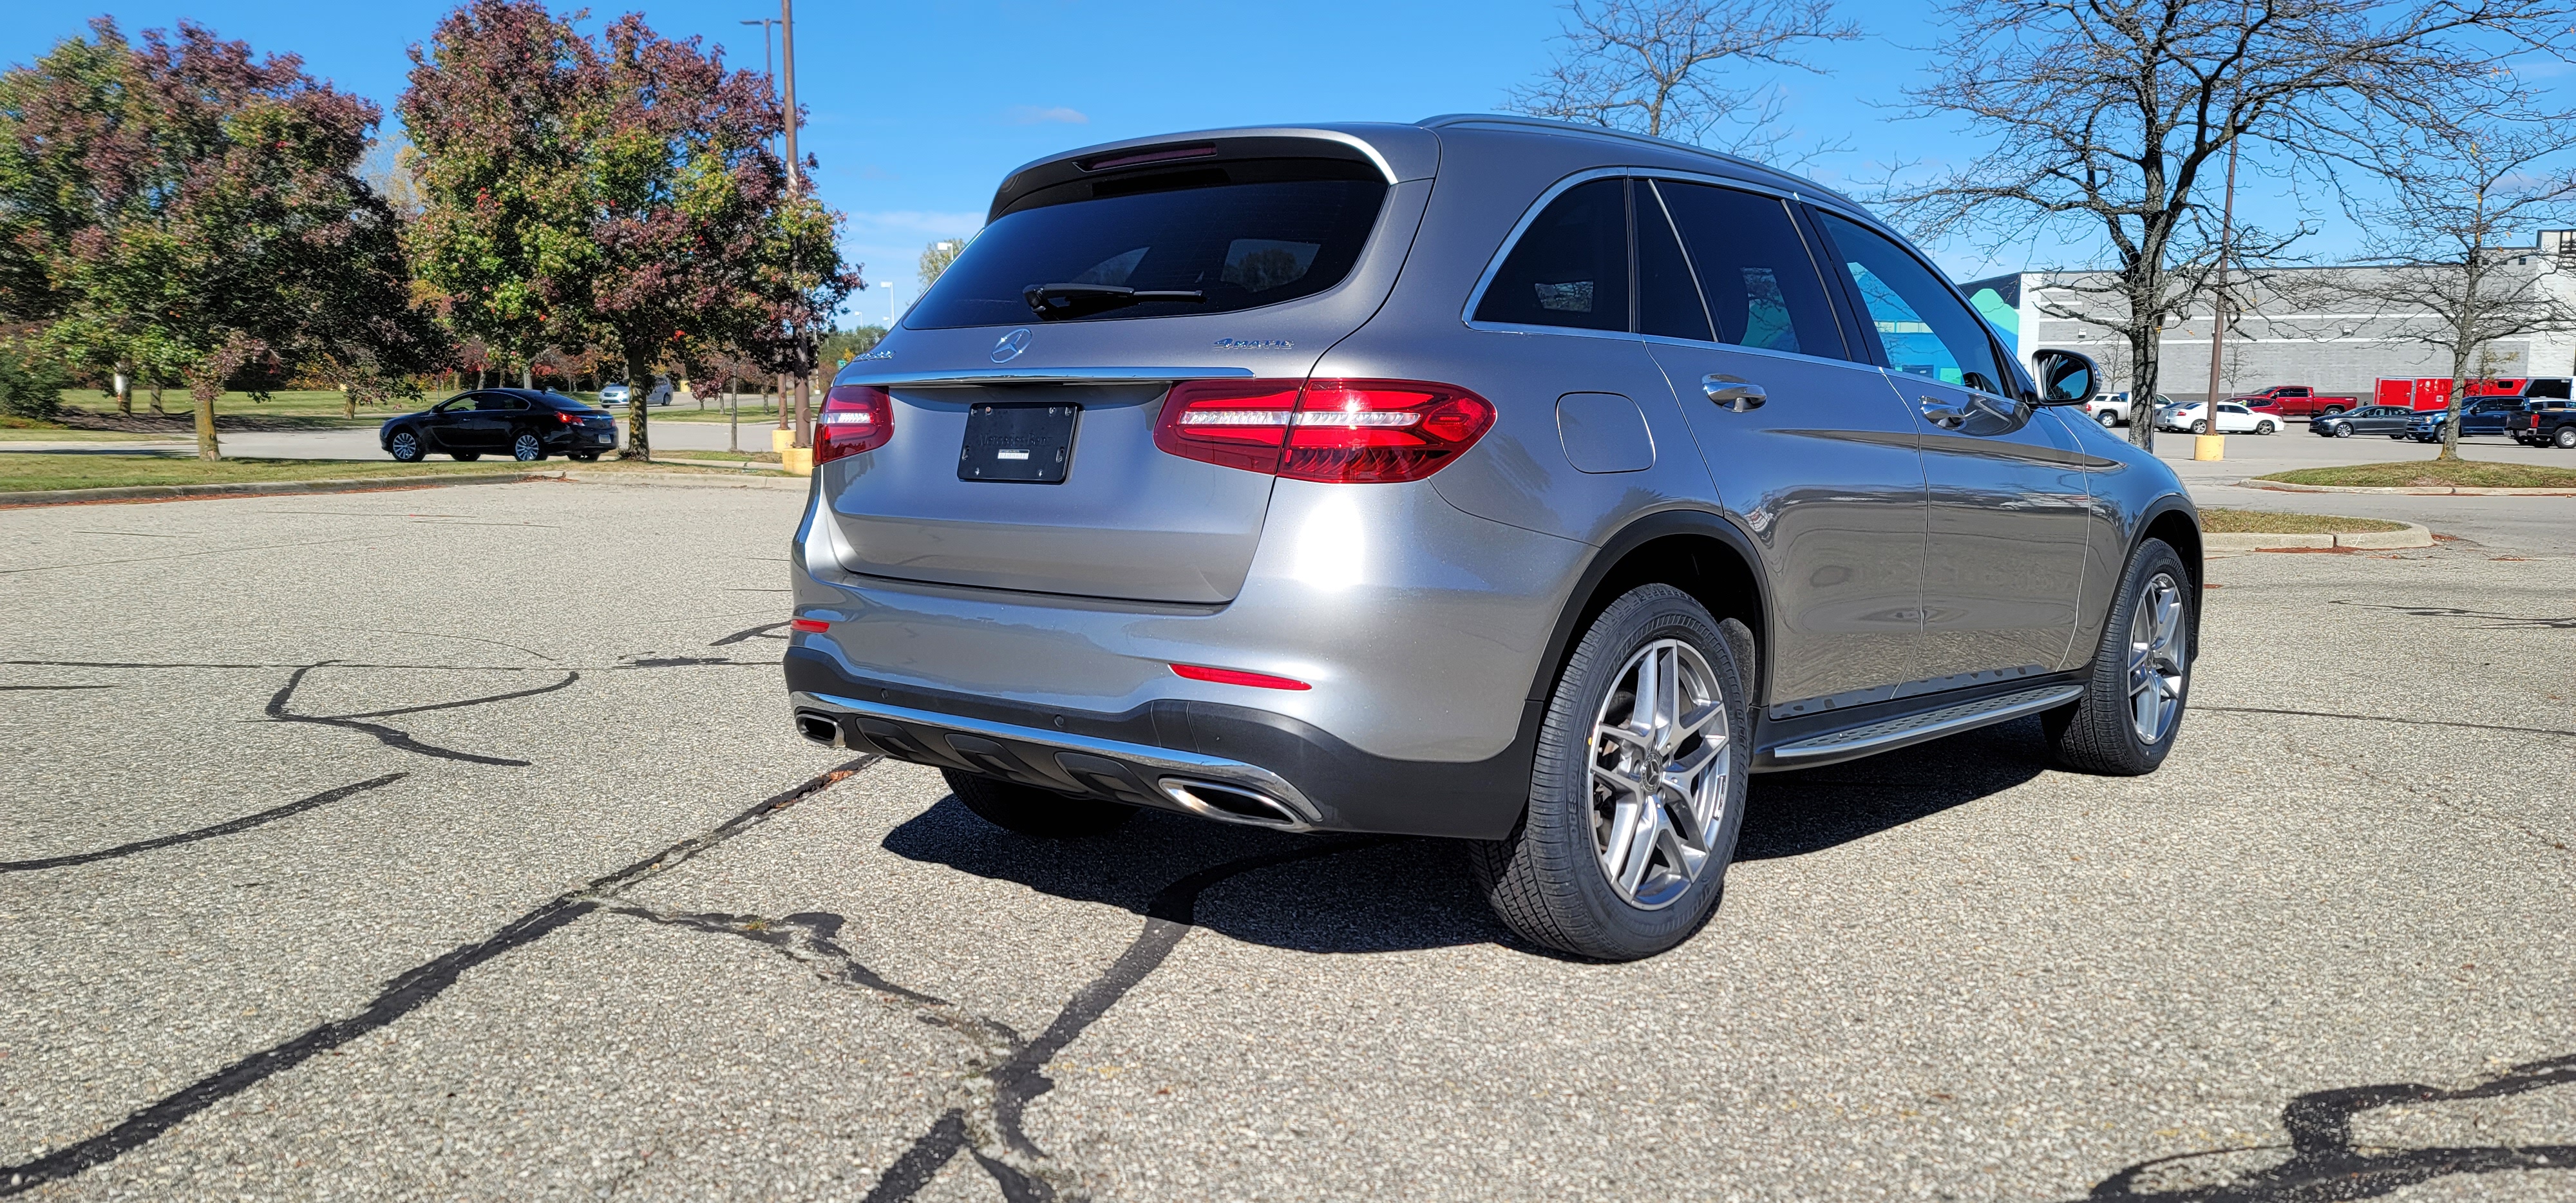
(1011, 345)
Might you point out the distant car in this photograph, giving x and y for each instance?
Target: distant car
(524, 424)
(2112, 409)
(2547, 423)
(2297, 401)
(613, 394)
(2478, 415)
(2390, 420)
(2232, 419)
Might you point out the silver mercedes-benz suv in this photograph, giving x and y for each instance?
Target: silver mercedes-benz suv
(1485, 477)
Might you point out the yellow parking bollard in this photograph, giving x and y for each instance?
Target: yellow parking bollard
(781, 439)
(2209, 446)
(798, 461)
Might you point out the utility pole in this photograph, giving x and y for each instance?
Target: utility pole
(2213, 446)
(795, 191)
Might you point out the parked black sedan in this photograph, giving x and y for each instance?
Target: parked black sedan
(2390, 420)
(524, 424)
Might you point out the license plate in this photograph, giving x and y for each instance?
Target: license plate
(1027, 443)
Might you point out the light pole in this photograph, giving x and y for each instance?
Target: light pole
(2213, 446)
(795, 189)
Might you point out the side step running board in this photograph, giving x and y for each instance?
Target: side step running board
(1931, 724)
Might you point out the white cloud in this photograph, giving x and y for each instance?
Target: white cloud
(1029, 114)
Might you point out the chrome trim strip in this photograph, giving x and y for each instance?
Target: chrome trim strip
(1975, 715)
(1171, 760)
(1117, 375)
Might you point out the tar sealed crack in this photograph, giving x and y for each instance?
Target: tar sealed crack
(2326, 1164)
(400, 997)
(394, 737)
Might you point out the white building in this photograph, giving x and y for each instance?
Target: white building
(2336, 346)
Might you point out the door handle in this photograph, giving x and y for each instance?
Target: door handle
(1734, 392)
(1943, 416)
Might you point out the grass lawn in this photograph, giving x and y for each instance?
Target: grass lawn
(2266, 522)
(316, 407)
(24, 472)
(744, 457)
(2435, 473)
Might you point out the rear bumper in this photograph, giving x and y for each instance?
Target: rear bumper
(1218, 761)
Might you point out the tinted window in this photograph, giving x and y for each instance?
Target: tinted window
(1754, 269)
(1668, 302)
(456, 404)
(2547, 388)
(501, 401)
(1923, 326)
(1241, 245)
(1570, 267)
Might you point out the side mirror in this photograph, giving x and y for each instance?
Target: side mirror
(2065, 377)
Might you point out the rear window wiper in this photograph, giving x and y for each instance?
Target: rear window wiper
(1054, 302)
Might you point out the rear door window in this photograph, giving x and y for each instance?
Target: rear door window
(1923, 327)
(1668, 301)
(1761, 284)
(1570, 267)
(1238, 245)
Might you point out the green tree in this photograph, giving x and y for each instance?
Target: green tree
(617, 191)
(183, 206)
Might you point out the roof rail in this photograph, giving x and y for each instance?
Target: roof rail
(1553, 126)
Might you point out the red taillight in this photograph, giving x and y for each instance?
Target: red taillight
(1236, 676)
(1233, 423)
(1333, 431)
(808, 624)
(855, 418)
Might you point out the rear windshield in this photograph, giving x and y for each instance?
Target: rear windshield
(1238, 245)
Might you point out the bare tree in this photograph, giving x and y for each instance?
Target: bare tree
(2434, 238)
(1659, 67)
(2107, 117)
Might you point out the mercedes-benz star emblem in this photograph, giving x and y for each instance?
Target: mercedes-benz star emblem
(1011, 345)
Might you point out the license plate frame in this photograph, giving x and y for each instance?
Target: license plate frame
(1023, 442)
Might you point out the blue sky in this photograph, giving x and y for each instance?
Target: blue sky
(917, 109)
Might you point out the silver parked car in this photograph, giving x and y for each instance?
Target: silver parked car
(1487, 478)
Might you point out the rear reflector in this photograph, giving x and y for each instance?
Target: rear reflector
(855, 418)
(1332, 431)
(808, 624)
(1233, 676)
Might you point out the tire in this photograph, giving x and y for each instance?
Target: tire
(1032, 811)
(2564, 438)
(1551, 879)
(2264, 428)
(2332, 410)
(2200, 427)
(465, 457)
(2107, 418)
(526, 447)
(2146, 648)
(2343, 430)
(405, 446)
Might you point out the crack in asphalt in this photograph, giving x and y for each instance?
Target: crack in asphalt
(394, 737)
(227, 827)
(1002, 1071)
(2383, 718)
(2326, 1164)
(401, 996)
(2495, 621)
(763, 631)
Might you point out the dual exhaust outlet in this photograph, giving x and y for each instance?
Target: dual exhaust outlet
(1221, 801)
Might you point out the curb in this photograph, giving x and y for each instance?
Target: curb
(2283, 486)
(382, 484)
(2415, 535)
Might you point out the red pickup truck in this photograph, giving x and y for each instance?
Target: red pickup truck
(2294, 401)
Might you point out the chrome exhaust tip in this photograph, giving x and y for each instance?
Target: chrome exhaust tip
(1233, 804)
(819, 727)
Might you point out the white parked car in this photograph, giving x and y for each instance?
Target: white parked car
(2112, 409)
(2232, 419)
(612, 394)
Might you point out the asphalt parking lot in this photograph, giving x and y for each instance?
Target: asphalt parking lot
(454, 843)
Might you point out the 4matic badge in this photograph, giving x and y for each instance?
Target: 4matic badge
(1254, 344)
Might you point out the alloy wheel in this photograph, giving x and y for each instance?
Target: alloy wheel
(1660, 767)
(528, 448)
(405, 446)
(2156, 654)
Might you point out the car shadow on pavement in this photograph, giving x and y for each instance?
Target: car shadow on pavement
(1376, 894)
(1810, 810)
(1385, 894)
